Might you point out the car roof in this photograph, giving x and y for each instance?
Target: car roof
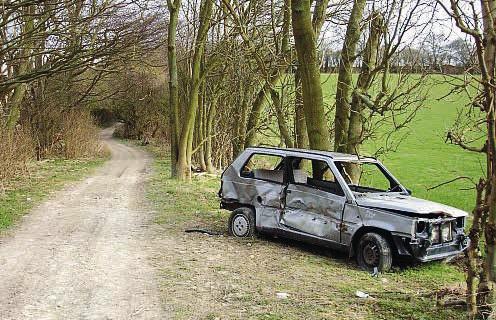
(298, 153)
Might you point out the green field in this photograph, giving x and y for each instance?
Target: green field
(423, 159)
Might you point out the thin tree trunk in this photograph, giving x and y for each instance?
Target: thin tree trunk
(483, 306)
(212, 112)
(301, 134)
(239, 142)
(173, 7)
(281, 121)
(487, 285)
(186, 137)
(345, 80)
(201, 129)
(355, 128)
(473, 251)
(313, 103)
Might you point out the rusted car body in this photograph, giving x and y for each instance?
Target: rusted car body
(311, 196)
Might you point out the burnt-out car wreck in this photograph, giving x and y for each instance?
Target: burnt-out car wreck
(339, 201)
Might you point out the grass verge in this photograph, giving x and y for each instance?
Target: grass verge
(25, 191)
(220, 277)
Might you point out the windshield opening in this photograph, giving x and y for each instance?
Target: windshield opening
(366, 177)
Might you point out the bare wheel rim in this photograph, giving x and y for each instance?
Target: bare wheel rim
(371, 254)
(240, 226)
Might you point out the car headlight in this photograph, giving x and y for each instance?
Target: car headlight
(446, 232)
(435, 235)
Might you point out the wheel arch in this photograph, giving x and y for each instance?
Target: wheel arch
(233, 205)
(366, 229)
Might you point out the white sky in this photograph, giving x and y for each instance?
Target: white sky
(431, 20)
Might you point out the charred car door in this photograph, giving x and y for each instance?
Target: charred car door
(314, 199)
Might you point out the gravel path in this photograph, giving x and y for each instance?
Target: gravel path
(86, 252)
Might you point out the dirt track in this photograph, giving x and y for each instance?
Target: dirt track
(85, 253)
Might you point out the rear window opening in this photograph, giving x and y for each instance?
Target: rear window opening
(265, 167)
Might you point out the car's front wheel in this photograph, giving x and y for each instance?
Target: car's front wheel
(242, 223)
(374, 251)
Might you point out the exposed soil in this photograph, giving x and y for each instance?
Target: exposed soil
(86, 253)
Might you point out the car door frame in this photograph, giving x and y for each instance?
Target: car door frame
(267, 214)
(337, 216)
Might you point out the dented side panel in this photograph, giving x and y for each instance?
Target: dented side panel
(313, 211)
(255, 193)
(352, 221)
(267, 218)
(396, 223)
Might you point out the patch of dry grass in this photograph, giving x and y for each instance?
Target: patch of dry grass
(22, 191)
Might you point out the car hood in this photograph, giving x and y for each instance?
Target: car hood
(407, 204)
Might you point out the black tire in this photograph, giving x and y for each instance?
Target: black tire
(242, 223)
(374, 251)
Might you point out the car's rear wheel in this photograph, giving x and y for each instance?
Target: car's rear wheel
(242, 223)
(374, 251)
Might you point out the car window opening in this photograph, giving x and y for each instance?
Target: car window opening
(316, 174)
(366, 177)
(264, 167)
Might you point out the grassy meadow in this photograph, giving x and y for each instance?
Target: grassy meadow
(423, 159)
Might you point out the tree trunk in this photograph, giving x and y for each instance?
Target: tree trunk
(301, 134)
(319, 15)
(473, 251)
(313, 102)
(201, 129)
(483, 306)
(355, 128)
(186, 137)
(173, 7)
(345, 80)
(14, 108)
(256, 109)
(212, 112)
(239, 142)
(487, 284)
(281, 119)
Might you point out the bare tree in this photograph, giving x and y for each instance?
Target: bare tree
(475, 130)
(345, 81)
(185, 141)
(41, 39)
(308, 64)
(173, 7)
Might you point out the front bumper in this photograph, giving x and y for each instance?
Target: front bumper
(423, 250)
(443, 251)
